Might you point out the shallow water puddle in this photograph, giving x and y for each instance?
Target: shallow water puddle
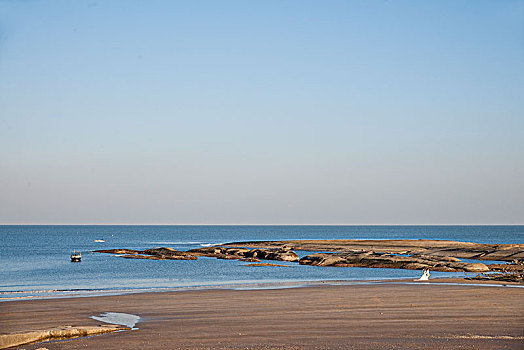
(120, 318)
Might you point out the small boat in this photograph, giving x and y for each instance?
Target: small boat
(99, 240)
(425, 275)
(76, 256)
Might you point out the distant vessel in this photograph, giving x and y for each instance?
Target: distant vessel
(99, 240)
(425, 275)
(76, 256)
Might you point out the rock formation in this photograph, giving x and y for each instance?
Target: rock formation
(165, 253)
(502, 277)
(162, 253)
(398, 254)
(391, 261)
(436, 248)
(65, 332)
(245, 253)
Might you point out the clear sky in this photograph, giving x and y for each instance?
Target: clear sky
(262, 112)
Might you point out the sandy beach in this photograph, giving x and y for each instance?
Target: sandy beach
(378, 316)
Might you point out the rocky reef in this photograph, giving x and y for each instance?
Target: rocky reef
(391, 261)
(434, 248)
(500, 277)
(163, 253)
(244, 254)
(434, 255)
(514, 267)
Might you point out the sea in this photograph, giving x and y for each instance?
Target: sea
(35, 259)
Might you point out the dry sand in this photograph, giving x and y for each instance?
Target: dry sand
(367, 316)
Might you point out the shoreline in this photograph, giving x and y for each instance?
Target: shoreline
(367, 315)
(67, 294)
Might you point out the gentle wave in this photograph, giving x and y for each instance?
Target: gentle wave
(211, 244)
(176, 242)
(47, 291)
(230, 285)
(68, 293)
(242, 285)
(202, 244)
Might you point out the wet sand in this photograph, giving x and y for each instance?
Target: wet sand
(367, 316)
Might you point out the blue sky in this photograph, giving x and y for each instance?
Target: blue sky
(262, 112)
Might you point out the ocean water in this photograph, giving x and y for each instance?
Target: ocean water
(34, 260)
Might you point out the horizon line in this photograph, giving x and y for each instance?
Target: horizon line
(253, 224)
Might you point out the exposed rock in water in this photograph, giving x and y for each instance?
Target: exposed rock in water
(380, 260)
(165, 253)
(272, 254)
(159, 257)
(506, 267)
(461, 250)
(221, 252)
(398, 254)
(162, 253)
(504, 277)
(244, 253)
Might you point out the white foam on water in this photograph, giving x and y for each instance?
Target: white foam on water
(211, 244)
(176, 242)
(120, 318)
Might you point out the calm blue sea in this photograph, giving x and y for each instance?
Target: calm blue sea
(34, 260)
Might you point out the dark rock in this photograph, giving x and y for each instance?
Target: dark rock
(160, 257)
(243, 253)
(460, 250)
(274, 254)
(165, 251)
(220, 252)
(506, 267)
(504, 277)
(265, 264)
(378, 260)
(162, 253)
